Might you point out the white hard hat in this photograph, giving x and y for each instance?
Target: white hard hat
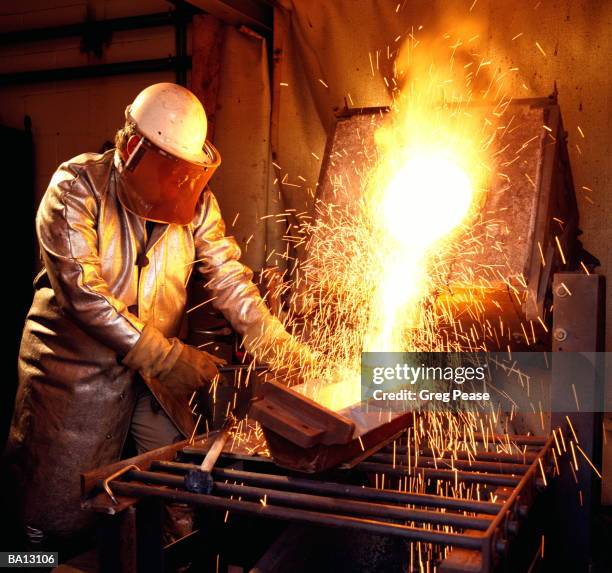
(171, 117)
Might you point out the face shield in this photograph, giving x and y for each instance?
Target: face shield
(161, 187)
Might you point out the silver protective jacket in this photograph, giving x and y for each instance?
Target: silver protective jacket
(75, 397)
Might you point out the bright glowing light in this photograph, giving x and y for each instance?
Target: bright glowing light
(417, 198)
(342, 390)
(425, 199)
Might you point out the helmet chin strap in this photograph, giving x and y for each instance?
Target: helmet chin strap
(134, 158)
(130, 146)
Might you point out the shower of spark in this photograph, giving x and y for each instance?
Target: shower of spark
(379, 264)
(381, 258)
(424, 186)
(375, 262)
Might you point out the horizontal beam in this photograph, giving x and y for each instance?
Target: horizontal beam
(89, 27)
(255, 15)
(300, 515)
(326, 504)
(337, 489)
(96, 71)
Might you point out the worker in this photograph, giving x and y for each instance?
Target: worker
(120, 235)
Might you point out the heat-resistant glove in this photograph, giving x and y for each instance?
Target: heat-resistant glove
(181, 367)
(270, 343)
(192, 369)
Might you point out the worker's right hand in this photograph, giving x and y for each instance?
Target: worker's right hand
(193, 368)
(181, 367)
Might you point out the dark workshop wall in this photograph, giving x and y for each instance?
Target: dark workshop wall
(17, 168)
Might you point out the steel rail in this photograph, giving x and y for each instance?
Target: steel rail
(461, 454)
(449, 463)
(474, 477)
(326, 504)
(518, 439)
(449, 475)
(513, 498)
(298, 515)
(342, 490)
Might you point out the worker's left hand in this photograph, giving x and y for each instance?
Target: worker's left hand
(291, 351)
(178, 365)
(193, 368)
(271, 344)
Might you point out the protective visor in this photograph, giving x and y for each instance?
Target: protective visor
(161, 187)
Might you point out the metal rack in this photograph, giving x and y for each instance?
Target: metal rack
(252, 485)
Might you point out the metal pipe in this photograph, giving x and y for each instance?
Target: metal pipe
(300, 515)
(470, 465)
(100, 70)
(387, 460)
(155, 20)
(500, 546)
(342, 490)
(449, 475)
(517, 491)
(200, 451)
(525, 458)
(474, 477)
(327, 504)
(517, 439)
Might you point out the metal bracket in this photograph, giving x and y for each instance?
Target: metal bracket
(106, 482)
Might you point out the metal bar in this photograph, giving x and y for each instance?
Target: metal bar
(299, 515)
(113, 476)
(358, 508)
(578, 323)
(521, 484)
(326, 504)
(342, 490)
(202, 451)
(525, 458)
(155, 20)
(99, 70)
(521, 467)
(430, 463)
(471, 465)
(238, 13)
(512, 499)
(517, 439)
(459, 560)
(450, 475)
